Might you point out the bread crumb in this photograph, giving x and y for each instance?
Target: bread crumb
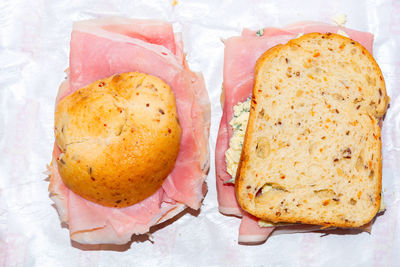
(340, 19)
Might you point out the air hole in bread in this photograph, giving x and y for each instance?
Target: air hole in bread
(359, 162)
(325, 193)
(338, 96)
(262, 147)
(270, 187)
(261, 113)
(259, 192)
(371, 174)
(347, 153)
(353, 201)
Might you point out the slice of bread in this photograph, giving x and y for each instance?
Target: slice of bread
(312, 151)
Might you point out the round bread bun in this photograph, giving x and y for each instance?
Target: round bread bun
(119, 138)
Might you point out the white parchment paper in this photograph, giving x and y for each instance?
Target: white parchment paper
(34, 51)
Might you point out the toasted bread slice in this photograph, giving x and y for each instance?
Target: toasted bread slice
(312, 151)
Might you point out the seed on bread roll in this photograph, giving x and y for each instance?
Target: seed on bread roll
(119, 138)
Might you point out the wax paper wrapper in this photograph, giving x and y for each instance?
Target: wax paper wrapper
(34, 50)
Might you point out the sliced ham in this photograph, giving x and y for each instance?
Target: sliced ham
(226, 193)
(241, 54)
(150, 31)
(267, 32)
(250, 232)
(364, 38)
(99, 49)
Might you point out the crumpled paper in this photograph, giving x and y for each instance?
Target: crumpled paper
(34, 51)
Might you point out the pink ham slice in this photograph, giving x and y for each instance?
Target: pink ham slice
(101, 48)
(250, 232)
(241, 54)
(226, 193)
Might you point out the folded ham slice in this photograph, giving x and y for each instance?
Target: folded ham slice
(103, 47)
(241, 54)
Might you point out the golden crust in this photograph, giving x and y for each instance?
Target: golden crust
(247, 200)
(119, 138)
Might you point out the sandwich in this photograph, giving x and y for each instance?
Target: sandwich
(306, 144)
(131, 128)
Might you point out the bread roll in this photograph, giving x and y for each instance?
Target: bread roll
(119, 138)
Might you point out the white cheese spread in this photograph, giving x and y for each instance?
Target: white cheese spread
(340, 19)
(239, 124)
